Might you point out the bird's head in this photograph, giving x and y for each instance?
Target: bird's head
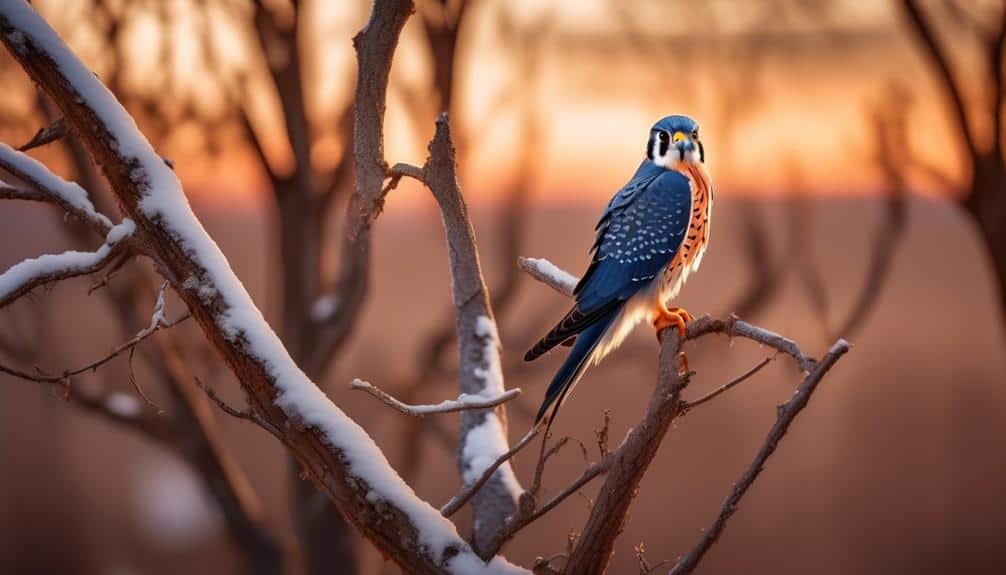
(674, 142)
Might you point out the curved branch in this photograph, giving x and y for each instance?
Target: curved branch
(941, 62)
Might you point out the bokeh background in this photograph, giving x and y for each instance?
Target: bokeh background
(842, 180)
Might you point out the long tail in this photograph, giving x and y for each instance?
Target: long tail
(575, 364)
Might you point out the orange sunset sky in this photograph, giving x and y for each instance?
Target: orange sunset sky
(783, 101)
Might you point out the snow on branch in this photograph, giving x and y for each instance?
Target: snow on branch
(549, 274)
(31, 273)
(335, 451)
(49, 187)
(464, 401)
(483, 443)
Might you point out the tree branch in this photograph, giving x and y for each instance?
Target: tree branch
(51, 188)
(690, 405)
(464, 402)
(375, 48)
(941, 62)
(483, 433)
(31, 273)
(787, 413)
(630, 461)
(337, 454)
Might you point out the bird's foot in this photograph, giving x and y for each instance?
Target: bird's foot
(675, 316)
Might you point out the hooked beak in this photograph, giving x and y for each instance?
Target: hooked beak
(682, 144)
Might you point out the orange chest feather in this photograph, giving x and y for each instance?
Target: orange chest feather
(697, 236)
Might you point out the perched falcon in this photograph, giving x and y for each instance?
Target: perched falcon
(649, 239)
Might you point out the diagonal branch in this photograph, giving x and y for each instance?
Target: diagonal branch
(787, 413)
(690, 405)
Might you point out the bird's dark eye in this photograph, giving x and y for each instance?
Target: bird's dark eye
(664, 137)
(695, 134)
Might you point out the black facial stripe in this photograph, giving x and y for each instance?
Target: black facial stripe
(665, 142)
(702, 153)
(650, 145)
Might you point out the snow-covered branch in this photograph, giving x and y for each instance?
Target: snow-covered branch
(336, 452)
(464, 402)
(549, 274)
(483, 433)
(49, 187)
(31, 273)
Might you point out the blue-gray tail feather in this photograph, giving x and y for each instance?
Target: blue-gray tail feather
(576, 362)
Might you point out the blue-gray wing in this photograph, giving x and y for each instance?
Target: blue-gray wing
(636, 238)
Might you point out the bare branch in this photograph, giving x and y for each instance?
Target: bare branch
(375, 46)
(45, 135)
(401, 169)
(470, 489)
(941, 62)
(51, 188)
(690, 405)
(245, 414)
(890, 135)
(462, 403)
(786, 414)
(94, 365)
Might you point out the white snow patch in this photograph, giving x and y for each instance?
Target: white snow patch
(70, 261)
(324, 307)
(240, 320)
(484, 444)
(552, 273)
(172, 508)
(492, 374)
(123, 405)
(68, 192)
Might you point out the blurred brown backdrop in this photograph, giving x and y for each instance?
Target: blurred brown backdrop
(824, 125)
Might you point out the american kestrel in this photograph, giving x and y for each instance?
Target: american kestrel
(649, 239)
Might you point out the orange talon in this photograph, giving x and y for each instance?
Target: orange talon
(666, 318)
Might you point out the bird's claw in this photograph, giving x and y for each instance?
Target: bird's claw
(674, 316)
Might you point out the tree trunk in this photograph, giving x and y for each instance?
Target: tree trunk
(986, 203)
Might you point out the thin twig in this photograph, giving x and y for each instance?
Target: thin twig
(94, 365)
(464, 402)
(458, 501)
(45, 135)
(690, 405)
(245, 414)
